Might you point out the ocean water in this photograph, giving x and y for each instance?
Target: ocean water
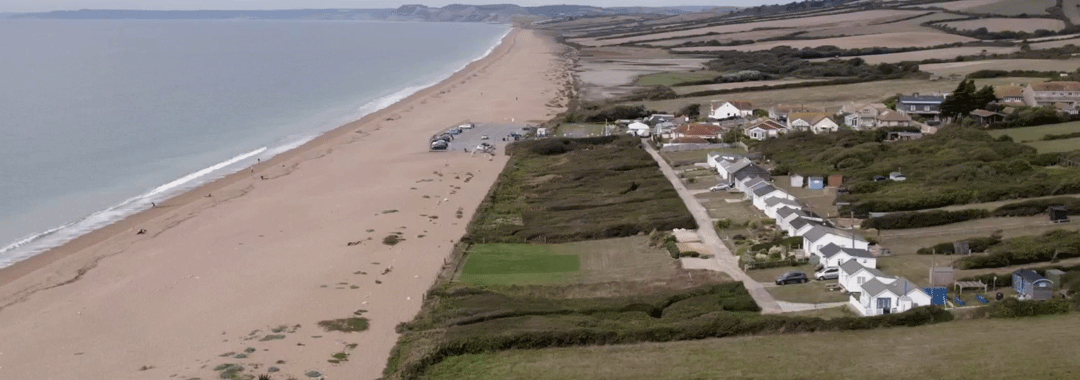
(100, 118)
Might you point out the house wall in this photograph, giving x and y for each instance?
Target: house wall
(843, 241)
(825, 126)
(726, 110)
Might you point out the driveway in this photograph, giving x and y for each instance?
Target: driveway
(727, 261)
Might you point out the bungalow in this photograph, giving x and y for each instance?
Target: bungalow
(639, 129)
(727, 168)
(728, 110)
(928, 106)
(801, 225)
(663, 129)
(746, 183)
(750, 171)
(776, 203)
(658, 118)
(877, 297)
(818, 237)
(893, 119)
(765, 129)
(705, 131)
(761, 194)
(1067, 108)
(781, 111)
(862, 116)
(985, 117)
(816, 122)
(833, 255)
(1030, 285)
(1010, 94)
(1048, 93)
(785, 215)
(853, 275)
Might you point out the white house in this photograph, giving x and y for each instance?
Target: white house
(639, 129)
(729, 110)
(853, 275)
(876, 297)
(764, 193)
(765, 129)
(785, 215)
(818, 237)
(747, 184)
(727, 168)
(824, 125)
(832, 255)
(774, 204)
(862, 116)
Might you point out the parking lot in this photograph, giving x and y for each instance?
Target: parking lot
(498, 135)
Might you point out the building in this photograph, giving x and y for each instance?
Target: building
(1049, 93)
(927, 106)
(984, 117)
(797, 180)
(774, 204)
(1010, 94)
(817, 122)
(765, 129)
(863, 116)
(801, 225)
(853, 275)
(728, 110)
(705, 131)
(781, 111)
(726, 168)
(761, 194)
(1029, 285)
(639, 129)
(833, 255)
(818, 237)
(816, 183)
(903, 136)
(658, 118)
(893, 119)
(880, 296)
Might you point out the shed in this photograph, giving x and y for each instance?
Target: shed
(797, 180)
(897, 176)
(1030, 285)
(942, 276)
(938, 295)
(1058, 214)
(836, 180)
(816, 183)
(1054, 275)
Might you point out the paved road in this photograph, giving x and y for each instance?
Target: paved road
(728, 262)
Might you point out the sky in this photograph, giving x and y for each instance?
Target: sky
(49, 5)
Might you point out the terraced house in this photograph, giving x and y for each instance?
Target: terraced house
(1052, 94)
(927, 106)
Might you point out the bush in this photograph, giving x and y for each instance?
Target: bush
(1038, 206)
(976, 245)
(919, 219)
(1014, 308)
(672, 249)
(1059, 244)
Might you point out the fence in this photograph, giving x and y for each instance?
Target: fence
(688, 147)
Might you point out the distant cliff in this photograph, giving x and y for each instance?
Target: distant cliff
(500, 13)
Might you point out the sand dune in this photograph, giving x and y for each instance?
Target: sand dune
(256, 254)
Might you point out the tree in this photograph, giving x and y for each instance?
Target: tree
(984, 96)
(962, 101)
(691, 110)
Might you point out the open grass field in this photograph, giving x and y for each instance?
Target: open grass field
(893, 40)
(945, 54)
(1072, 10)
(738, 212)
(810, 292)
(675, 77)
(580, 130)
(1055, 43)
(967, 67)
(981, 349)
(1056, 146)
(907, 241)
(995, 7)
(697, 155)
(815, 22)
(829, 98)
(587, 262)
(1038, 132)
(730, 86)
(1008, 24)
(725, 37)
(560, 190)
(881, 26)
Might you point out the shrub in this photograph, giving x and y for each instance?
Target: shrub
(919, 219)
(392, 239)
(1014, 308)
(672, 249)
(1038, 206)
(1059, 244)
(723, 223)
(352, 324)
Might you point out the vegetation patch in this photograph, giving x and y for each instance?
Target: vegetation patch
(352, 324)
(600, 187)
(512, 260)
(1053, 245)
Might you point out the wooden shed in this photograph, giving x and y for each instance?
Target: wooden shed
(1032, 286)
(1058, 214)
(797, 180)
(816, 183)
(836, 180)
(942, 276)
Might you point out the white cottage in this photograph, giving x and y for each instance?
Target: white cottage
(774, 204)
(877, 297)
(853, 275)
(832, 255)
(764, 193)
(639, 129)
(817, 238)
(728, 110)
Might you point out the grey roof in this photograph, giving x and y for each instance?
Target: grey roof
(819, 232)
(900, 287)
(931, 99)
(833, 249)
(764, 190)
(1029, 275)
(874, 287)
(784, 201)
(751, 170)
(735, 166)
(799, 223)
(784, 212)
(852, 267)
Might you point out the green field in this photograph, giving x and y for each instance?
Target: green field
(1030, 348)
(1056, 146)
(675, 77)
(1014, 8)
(585, 262)
(580, 130)
(696, 155)
(517, 264)
(1037, 133)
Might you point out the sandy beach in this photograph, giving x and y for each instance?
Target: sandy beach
(221, 267)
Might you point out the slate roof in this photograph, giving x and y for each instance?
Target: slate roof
(773, 201)
(922, 99)
(833, 249)
(819, 232)
(764, 190)
(734, 166)
(1029, 275)
(852, 267)
(875, 287)
(742, 106)
(893, 116)
(785, 212)
(751, 171)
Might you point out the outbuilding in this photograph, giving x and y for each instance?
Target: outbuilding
(816, 183)
(1030, 285)
(797, 180)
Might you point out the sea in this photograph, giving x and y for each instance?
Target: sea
(99, 118)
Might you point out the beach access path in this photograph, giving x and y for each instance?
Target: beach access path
(728, 262)
(242, 270)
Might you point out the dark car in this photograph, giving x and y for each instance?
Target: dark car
(792, 278)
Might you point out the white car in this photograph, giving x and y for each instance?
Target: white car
(827, 274)
(720, 187)
(466, 126)
(484, 137)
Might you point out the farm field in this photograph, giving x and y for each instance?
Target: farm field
(908, 241)
(729, 86)
(1037, 132)
(967, 67)
(675, 77)
(994, 7)
(726, 37)
(1072, 10)
(998, 349)
(944, 54)
(1056, 43)
(1056, 146)
(994, 205)
(829, 98)
(912, 25)
(893, 40)
(824, 21)
(594, 261)
(1008, 24)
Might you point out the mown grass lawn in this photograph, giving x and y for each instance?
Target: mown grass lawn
(504, 264)
(1055, 146)
(1037, 132)
(1028, 348)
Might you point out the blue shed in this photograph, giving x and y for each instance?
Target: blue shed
(1030, 285)
(938, 295)
(816, 183)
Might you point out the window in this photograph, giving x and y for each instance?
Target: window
(912, 108)
(884, 303)
(862, 280)
(925, 108)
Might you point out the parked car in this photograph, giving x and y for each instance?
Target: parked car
(792, 278)
(454, 131)
(720, 187)
(439, 145)
(827, 274)
(484, 137)
(466, 126)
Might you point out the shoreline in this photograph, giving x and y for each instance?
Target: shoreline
(129, 223)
